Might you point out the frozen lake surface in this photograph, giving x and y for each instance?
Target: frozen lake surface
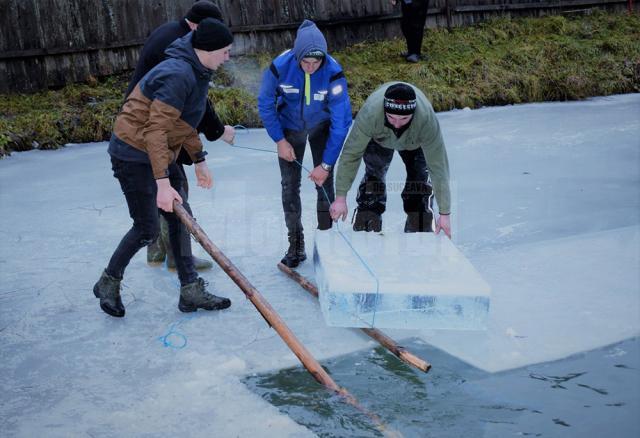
(546, 205)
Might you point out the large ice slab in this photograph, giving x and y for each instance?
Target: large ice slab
(398, 280)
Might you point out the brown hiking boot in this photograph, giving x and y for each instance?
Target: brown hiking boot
(194, 296)
(108, 290)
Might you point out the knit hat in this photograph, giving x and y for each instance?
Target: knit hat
(203, 9)
(211, 35)
(400, 99)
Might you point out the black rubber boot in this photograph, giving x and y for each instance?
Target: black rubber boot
(418, 223)
(194, 296)
(367, 220)
(295, 254)
(108, 290)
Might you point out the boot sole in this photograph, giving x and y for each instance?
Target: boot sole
(188, 308)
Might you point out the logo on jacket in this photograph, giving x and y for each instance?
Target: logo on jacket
(289, 89)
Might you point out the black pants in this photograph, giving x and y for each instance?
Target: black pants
(139, 188)
(417, 192)
(414, 17)
(291, 174)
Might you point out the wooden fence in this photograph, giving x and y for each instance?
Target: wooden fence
(47, 43)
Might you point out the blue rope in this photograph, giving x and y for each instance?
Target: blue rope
(172, 332)
(326, 195)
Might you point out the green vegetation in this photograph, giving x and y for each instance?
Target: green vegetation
(498, 62)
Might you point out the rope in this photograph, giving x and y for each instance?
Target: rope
(339, 231)
(172, 332)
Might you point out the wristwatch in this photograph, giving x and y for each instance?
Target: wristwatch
(326, 166)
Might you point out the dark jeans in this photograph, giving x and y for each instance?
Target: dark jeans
(139, 188)
(414, 17)
(290, 173)
(417, 192)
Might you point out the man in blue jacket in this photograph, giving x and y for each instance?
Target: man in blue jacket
(304, 96)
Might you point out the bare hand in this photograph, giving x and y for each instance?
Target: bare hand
(166, 194)
(339, 208)
(444, 223)
(229, 134)
(203, 175)
(285, 150)
(393, 2)
(318, 175)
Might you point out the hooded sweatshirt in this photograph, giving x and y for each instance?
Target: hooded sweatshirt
(284, 104)
(163, 110)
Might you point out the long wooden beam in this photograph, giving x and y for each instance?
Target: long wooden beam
(384, 340)
(272, 317)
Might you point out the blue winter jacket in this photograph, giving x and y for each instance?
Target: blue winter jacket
(282, 104)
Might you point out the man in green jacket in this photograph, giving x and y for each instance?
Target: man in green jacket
(397, 116)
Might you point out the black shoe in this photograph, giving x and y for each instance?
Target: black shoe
(295, 254)
(366, 220)
(194, 296)
(413, 58)
(108, 290)
(418, 223)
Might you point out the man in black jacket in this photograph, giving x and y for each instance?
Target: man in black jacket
(151, 55)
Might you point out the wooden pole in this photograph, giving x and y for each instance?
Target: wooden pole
(271, 316)
(383, 339)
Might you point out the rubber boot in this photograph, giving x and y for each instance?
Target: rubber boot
(367, 220)
(418, 223)
(157, 251)
(108, 290)
(198, 263)
(194, 296)
(295, 254)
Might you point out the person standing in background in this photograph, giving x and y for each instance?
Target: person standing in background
(414, 18)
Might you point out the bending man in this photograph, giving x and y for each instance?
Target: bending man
(397, 116)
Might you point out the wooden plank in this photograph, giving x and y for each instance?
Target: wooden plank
(402, 353)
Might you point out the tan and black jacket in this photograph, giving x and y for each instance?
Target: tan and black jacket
(162, 112)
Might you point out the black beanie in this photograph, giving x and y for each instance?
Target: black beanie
(203, 9)
(210, 35)
(400, 99)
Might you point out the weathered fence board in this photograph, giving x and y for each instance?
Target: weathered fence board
(47, 43)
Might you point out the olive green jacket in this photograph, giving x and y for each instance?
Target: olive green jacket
(424, 132)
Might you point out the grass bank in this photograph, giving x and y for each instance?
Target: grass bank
(498, 62)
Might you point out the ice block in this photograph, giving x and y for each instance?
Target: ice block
(398, 280)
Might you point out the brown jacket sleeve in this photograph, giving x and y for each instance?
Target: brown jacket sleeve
(162, 119)
(193, 145)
